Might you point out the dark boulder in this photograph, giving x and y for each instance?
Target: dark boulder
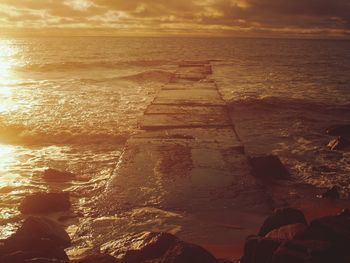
(310, 251)
(45, 203)
(53, 175)
(282, 217)
(153, 245)
(259, 249)
(166, 248)
(332, 229)
(268, 167)
(339, 130)
(183, 252)
(331, 193)
(339, 143)
(96, 258)
(45, 260)
(20, 249)
(287, 232)
(40, 227)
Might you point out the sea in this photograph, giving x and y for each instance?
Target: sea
(71, 103)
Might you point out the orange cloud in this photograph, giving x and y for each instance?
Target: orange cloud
(206, 17)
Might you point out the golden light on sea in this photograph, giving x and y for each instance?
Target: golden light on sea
(8, 76)
(6, 156)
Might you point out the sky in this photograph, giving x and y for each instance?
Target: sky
(305, 18)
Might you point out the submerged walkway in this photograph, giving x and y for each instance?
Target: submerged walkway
(185, 171)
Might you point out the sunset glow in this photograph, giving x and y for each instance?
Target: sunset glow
(175, 131)
(181, 17)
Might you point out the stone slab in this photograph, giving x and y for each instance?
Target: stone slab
(190, 110)
(191, 85)
(194, 69)
(161, 121)
(194, 62)
(220, 137)
(190, 76)
(177, 173)
(185, 97)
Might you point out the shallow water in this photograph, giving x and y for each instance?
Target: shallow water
(71, 103)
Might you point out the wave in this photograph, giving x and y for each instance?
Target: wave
(24, 135)
(84, 65)
(279, 103)
(150, 76)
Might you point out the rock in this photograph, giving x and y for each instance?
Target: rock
(339, 130)
(303, 252)
(340, 143)
(268, 167)
(40, 227)
(183, 252)
(45, 260)
(287, 232)
(166, 248)
(332, 229)
(97, 258)
(37, 238)
(259, 249)
(53, 175)
(153, 245)
(220, 260)
(45, 203)
(282, 217)
(331, 193)
(21, 249)
(345, 213)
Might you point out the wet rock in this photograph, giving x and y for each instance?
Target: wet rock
(282, 217)
(339, 143)
(45, 260)
(345, 212)
(287, 232)
(153, 245)
(331, 193)
(53, 175)
(39, 227)
(220, 260)
(166, 248)
(332, 229)
(268, 167)
(183, 252)
(20, 249)
(259, 249)
(97, 258)
(339, 130)
(45, 203)
(303, 252)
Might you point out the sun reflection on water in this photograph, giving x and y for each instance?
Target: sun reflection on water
(6, 156)
(7, 75)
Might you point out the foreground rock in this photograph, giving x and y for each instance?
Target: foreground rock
(339, 143)
(45, 203)
(38, 238)
(268, 167)
(282, 217)
(97, 258)
(53, 175)
(40, 227)
(331, 193)
(163, 248)
(339, 130)
(325, 240)
(287, 232)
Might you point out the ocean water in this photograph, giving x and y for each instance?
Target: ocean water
(71, 103)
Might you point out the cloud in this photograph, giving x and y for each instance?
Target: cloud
(229, 17)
